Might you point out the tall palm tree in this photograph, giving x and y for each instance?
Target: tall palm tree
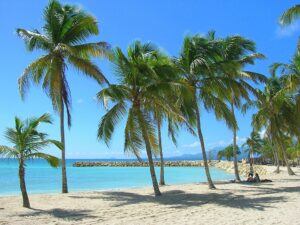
(239, 51)
(138, 94)
(201, 66)
(27, 142)
(254, 143)
(63, 40)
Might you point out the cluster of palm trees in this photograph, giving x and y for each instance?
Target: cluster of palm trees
(154, 88)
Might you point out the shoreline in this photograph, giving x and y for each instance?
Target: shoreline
(272, 203)
(227, 166)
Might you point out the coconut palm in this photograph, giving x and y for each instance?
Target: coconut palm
(254, 143)
(139, 93)
(239, 51)
(276, 108)
(201, 66)
(228, 152)
(180, 101)
(63, 41)
(27, 142)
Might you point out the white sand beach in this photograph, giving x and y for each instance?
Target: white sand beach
(264, 203)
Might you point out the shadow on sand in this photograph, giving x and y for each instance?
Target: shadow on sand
(61, 213)
(181, 199)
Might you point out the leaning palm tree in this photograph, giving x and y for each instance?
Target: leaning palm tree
(65, 30)
(138, 94)
(201, 66)
(27, 142)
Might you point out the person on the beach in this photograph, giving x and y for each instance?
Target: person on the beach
(250, 177)
(256, 178)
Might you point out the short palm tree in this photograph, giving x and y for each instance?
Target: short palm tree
(138, 94)
(254, 143)
(27, 142)
(201, 66)
(65, 30)
(228, 152)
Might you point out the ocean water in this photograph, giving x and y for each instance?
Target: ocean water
(41, 178)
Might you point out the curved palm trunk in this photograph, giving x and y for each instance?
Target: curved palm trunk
(235, 161)
(162, 163)
(63, 152)
(149, 155)
(23, 185)
(290, 171)
(200, 135)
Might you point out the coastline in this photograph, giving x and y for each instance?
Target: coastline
(180, 204)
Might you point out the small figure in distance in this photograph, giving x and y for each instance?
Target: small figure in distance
(257, 179)
(250, 178)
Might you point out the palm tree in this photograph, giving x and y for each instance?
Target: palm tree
(254, 143)
(172, 130)
(228, 152)
(276, 109)
(27, 142)
(239, 51)
(65, 30)
(180, 101)
(138, 94)
(201, 66)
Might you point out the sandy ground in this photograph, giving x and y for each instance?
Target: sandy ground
(265, 203)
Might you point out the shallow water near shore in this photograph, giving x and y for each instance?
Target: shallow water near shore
(41, 178)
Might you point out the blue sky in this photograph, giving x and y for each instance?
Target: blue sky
(164, 22)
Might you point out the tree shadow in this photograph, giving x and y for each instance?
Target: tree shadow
(181, 199)
(61, 213)
(269, 190)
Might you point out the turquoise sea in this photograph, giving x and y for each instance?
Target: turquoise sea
(41, 178)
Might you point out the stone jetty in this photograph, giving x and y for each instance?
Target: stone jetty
(195, 163)
(224, 165)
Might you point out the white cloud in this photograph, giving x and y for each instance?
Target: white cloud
(287, 31)
(217, 144)
(192, 145)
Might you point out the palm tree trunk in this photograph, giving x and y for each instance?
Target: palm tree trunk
(290, 171)
(63, 151)
(149, 154)
(23, 185)
(200, 135)
(251, 161)
(162, 163)
(275, 152)
(235, 161)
